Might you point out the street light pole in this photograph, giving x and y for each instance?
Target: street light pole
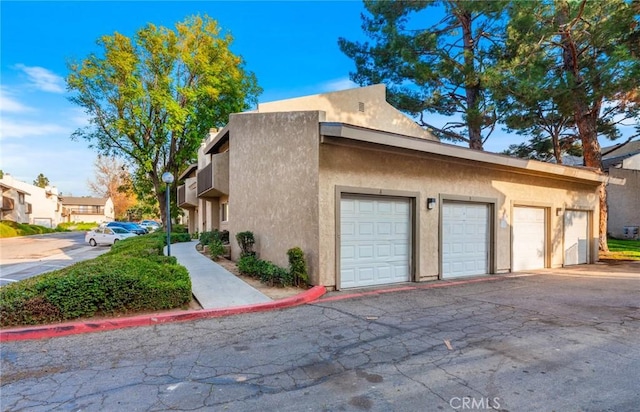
(167, 177)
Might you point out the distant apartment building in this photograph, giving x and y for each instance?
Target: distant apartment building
(88, 209)
(26, 203)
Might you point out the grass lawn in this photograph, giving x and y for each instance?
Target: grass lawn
(622, 250)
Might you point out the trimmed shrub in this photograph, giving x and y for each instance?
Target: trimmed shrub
(77, 226)
(177, 237)
(248, 265)
(9, 228)
(246, 241)
(266, 271)
(178, 228)
(132, 277)
(216, 249)
(298, 267)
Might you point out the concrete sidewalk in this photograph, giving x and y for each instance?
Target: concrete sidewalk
(212, 285)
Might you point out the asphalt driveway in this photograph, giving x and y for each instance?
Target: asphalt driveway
(556, 340)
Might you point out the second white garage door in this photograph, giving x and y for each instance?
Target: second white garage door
(465, 239)
(375, 241)
(528, 244)
(576, 237)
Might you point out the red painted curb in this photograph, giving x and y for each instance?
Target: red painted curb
(74, 328)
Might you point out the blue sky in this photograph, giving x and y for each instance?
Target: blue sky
(290, 46)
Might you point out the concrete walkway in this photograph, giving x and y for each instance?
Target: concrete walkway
(212, 285)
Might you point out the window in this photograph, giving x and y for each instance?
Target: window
(21, 198)
(224, 212)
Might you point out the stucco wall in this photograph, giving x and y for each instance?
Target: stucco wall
(273, 187)
(623, 202)
(364, 106)
(434, 177)
(632, 162)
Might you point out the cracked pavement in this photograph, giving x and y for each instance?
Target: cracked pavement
(541, 342)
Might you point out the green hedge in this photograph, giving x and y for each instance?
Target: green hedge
(10, 228)
(132, 277)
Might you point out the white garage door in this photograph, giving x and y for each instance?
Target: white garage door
(576, 237)
(465, 239)
(528, 243)
(375, 245)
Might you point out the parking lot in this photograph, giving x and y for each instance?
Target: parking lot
(563, 340)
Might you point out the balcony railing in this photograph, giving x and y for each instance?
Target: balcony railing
(187, 196)
(213, 179)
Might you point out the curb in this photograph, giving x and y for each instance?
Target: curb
(75, 328)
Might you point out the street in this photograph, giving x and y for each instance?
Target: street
(27, 256)
(540, 342)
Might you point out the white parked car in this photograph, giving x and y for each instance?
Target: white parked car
(106, 235)
(150, 225)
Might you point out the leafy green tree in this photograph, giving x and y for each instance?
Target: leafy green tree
(41, 181)
(152, 98)
(1, 174)
(436, 69)
(577, 55)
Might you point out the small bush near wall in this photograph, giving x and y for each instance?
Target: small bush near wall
(298, 267)
(178, 228)
(214, 240)
(246, 241)
(266, 271)
(133, 276)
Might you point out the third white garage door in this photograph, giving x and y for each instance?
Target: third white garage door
(375, 241)
(465, 239)
(528, 244)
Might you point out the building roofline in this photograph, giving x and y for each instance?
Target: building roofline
(391, 140)
(190, 169)
(14, 188)
(217, 140)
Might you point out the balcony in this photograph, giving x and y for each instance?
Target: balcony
(213, 179)
(7, 203)
(187, 194)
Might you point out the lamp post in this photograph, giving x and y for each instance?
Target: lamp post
(167, 177)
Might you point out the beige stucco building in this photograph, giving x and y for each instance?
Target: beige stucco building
(36, 205)
(623, 162)
(88, 209)
(372, 198)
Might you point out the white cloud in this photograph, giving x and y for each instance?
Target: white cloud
(13, 129)
(43, 79)
(79, 118)
(68, 165)
(337, 85)
(9, 105)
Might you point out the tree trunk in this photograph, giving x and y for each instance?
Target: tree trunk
(585, 117)
(162, 205)
(472, 82)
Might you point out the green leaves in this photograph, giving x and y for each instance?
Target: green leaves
(153, 97)
(441, 68)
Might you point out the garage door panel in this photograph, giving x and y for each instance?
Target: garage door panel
(465, 228)
(576, 237)
(376, 241)
(529, 238)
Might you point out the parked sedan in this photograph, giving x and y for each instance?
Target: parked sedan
(150, 225)
(106, 235)
(131, 227)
